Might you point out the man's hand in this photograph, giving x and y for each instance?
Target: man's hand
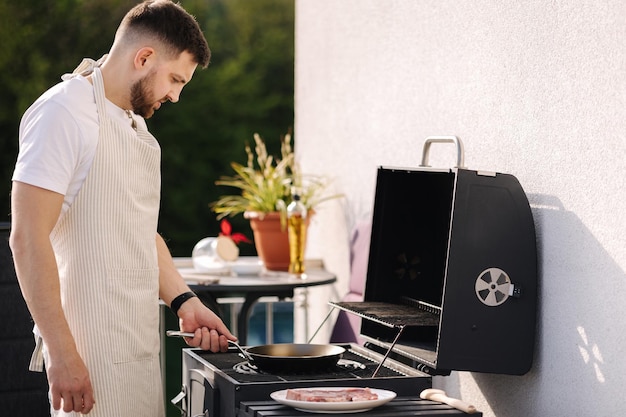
(70, 386)
(210, 332)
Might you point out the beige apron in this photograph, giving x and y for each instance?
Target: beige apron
(106, 253)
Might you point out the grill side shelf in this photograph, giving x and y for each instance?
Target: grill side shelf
(391, 315)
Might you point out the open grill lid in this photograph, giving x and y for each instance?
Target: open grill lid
(452, 273)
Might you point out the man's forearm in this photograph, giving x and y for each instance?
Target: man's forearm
(38, 277)
(171, 284)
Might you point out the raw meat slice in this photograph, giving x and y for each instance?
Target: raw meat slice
(362, 394)
(338, 395)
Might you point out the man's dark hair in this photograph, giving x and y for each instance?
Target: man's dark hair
(170, 24)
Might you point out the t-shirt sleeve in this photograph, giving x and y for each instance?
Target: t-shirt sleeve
(50, 147)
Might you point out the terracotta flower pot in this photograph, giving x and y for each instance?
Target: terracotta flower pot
(271, 241)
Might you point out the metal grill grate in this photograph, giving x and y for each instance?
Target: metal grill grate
(391, 315)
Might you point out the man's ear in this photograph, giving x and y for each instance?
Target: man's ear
(144, 57)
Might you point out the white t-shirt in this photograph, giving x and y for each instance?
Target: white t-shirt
(58, 138)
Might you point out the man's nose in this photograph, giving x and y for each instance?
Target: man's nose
(174, 95)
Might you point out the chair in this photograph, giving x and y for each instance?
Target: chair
(348, 326)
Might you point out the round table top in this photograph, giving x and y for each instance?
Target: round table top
(263, 282)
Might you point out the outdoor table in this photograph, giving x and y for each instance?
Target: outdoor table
(209, 287)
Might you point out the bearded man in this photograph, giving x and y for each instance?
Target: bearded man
(85, 202)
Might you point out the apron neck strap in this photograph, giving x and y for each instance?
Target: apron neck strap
(98, 88)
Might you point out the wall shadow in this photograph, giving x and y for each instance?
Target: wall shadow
(578, 367)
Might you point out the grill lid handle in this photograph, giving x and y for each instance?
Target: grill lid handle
(444, 139)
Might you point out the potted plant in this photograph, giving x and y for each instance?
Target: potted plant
(265, 190)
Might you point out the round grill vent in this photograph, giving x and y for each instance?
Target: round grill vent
(493, 286)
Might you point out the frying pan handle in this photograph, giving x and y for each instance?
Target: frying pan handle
(176, 333)
(460, 163)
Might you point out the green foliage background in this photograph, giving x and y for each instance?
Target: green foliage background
(247, 88)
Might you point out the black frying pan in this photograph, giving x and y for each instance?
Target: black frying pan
(287, 357)
(294, 357)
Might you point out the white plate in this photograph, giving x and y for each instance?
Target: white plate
(384, 396)
(192, 276)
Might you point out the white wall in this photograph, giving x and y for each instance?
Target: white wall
(535, 89)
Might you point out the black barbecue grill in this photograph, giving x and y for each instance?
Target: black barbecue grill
(451, 285)
(452, 273)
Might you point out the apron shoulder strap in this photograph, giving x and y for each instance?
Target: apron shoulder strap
(98, 87)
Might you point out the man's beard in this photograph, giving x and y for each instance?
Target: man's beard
(141, 96)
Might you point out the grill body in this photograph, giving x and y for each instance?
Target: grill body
(213, 386)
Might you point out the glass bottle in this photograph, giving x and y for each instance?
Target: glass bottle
(296, 227)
